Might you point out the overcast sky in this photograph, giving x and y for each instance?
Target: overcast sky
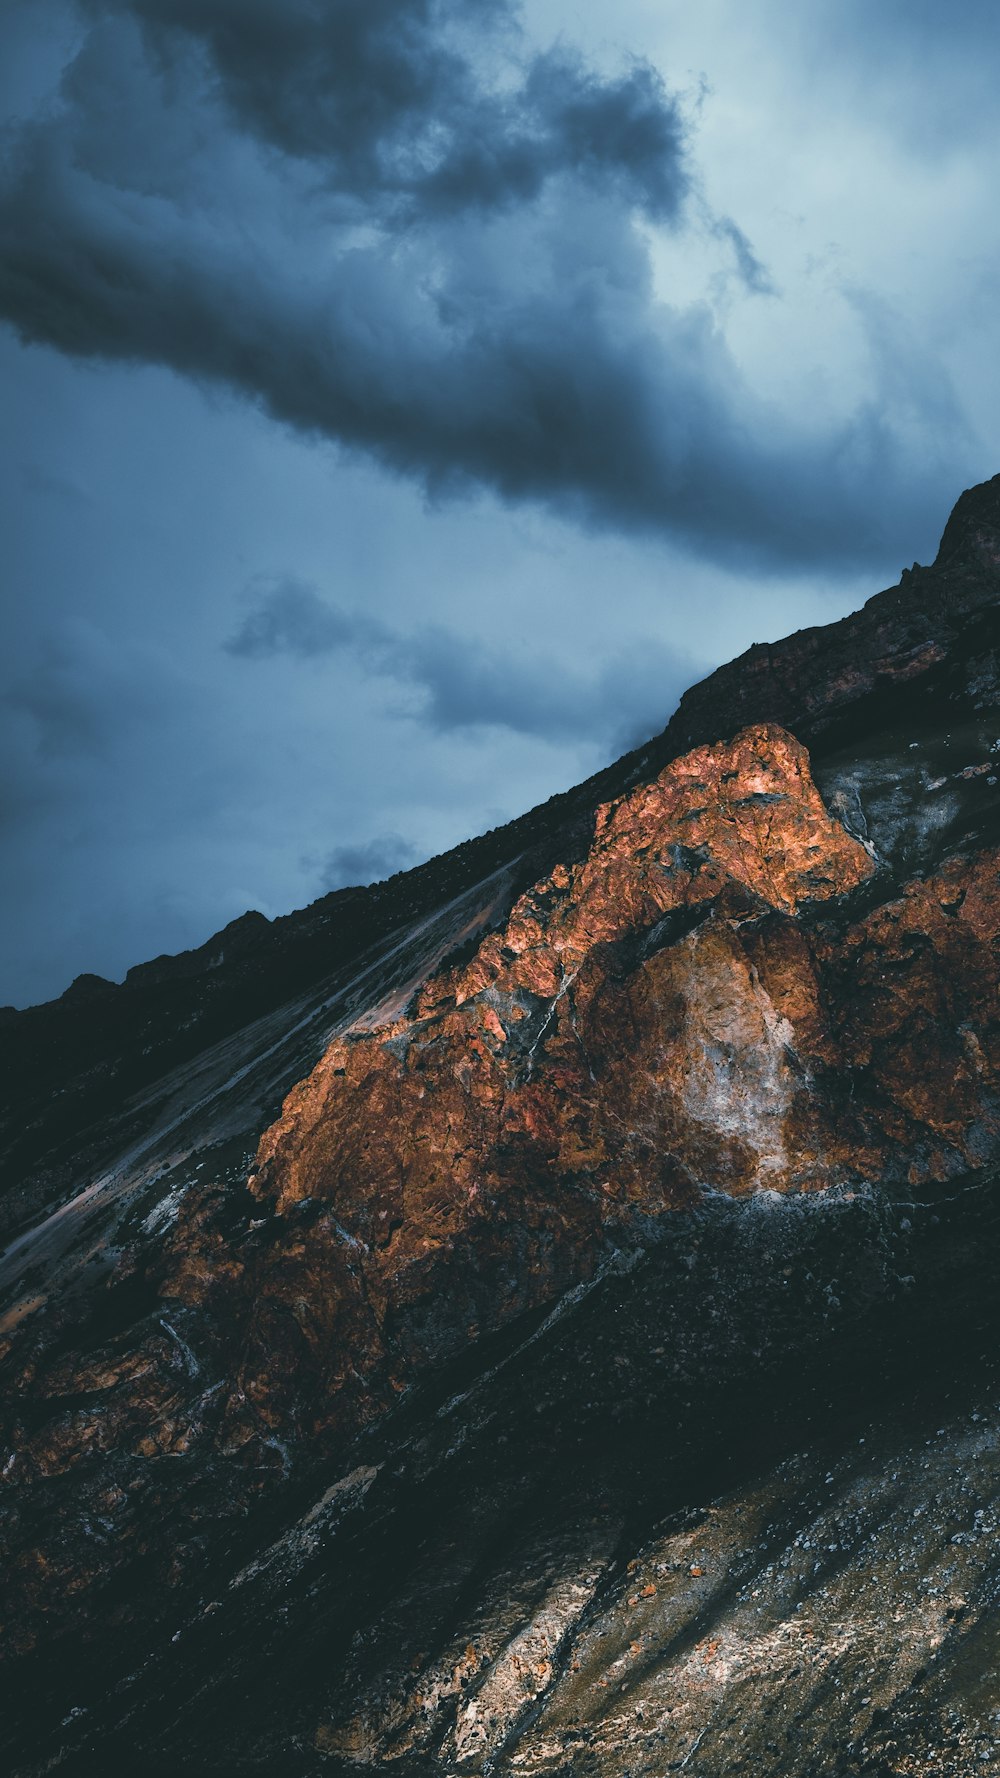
(404, 400)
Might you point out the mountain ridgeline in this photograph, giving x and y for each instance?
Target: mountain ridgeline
(537, 1315)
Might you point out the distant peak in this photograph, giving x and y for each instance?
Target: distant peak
(86, 987)
(972, 534)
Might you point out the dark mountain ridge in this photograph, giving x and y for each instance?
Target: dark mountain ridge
(538, 1315)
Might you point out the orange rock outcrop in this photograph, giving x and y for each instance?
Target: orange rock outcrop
(582, 1038)
(693, 1007)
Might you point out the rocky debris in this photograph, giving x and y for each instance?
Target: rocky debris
(738, 1498)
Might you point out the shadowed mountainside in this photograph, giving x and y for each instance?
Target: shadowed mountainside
(538, 1314)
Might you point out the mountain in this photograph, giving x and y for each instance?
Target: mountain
(537, 1315)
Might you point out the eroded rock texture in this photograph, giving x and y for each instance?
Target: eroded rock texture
(564, 1339)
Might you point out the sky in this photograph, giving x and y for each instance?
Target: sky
(403, 401)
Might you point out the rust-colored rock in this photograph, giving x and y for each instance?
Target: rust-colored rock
(584, 1039)
(614, 1048)
(675, 1014)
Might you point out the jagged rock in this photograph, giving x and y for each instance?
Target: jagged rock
(605, 1054)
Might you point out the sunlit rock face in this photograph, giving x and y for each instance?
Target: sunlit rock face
(476, 1362)
(705, 1001)
(644, 1022)
(615, 1035)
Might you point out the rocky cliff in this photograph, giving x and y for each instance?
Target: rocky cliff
(558, 1335)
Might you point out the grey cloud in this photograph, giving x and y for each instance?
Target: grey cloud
(466, 686)
(291, 618)
(71, 705)
(515, 346)
(68, 702)
(392, 98)
(463, 686)
(755, 275)
(66, 723)
(928, 21)
(626, 134)
(924, 71)
(369, 861)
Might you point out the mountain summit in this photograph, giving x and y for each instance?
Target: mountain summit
(537, 1315)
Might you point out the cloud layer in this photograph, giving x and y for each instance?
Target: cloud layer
(461, 685)
(367, 861)
(397, 225)
(674, 326)
(389, 98)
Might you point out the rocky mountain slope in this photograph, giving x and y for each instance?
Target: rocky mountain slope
(538, 1315)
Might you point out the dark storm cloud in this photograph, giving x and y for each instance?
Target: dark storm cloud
(461, 684)
(387, 98)
(370, 861)
(440, 268)
(626, 134)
